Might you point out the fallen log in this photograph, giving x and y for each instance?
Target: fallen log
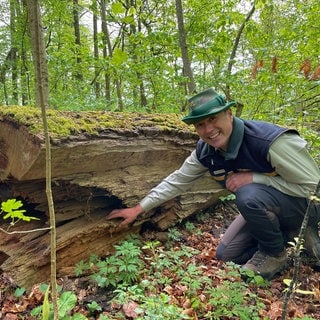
(100, 161)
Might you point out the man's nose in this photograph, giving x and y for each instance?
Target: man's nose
(208, 127)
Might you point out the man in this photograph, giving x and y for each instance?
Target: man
(269, 170)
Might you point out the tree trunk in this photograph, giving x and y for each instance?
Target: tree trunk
(95, 82)
(77, 35)
(100, 161)
(187, 71)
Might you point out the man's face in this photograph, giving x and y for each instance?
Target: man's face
(216, 129)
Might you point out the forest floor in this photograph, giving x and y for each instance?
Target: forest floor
(204, 236)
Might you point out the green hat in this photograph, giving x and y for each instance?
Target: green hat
(205, 104)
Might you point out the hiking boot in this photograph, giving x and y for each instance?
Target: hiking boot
(266, 265)
(312, 241)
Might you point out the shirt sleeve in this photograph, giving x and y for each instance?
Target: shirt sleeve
(298, 173)
(175, 184)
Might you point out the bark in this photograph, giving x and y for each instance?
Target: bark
(187, 70)
(77, 35)
(93, 172)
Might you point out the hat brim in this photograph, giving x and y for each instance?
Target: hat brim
(194, 118)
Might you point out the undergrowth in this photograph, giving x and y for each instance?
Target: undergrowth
(173, 280)
(170, 282)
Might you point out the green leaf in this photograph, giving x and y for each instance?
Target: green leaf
(79, 316)
(117, 8)
(19, 292)
(46, 305)
(119, 57)
(128, 20)
(132, 11)
(11, 205)
(287, 282)
(94, 306)
(43, 287)
(67, 302)
(304, 291)
(28, 219)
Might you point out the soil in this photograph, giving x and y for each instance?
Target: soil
(212, 225)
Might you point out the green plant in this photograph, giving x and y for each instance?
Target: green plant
(201, 216)
(80, 267)
(192, 277)
(233, 300)
(150, 307)
(159, 307)
(19, 292)
(158, 257)
(248, 276)
(191, 228)
(12, 208)
(174, 269)
(121, 268)
(83, 266)
(66, 302)
(94, 306)
(129, 293)
(174, 234)
(229, 197)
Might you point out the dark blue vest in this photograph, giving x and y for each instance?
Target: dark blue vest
(247, 150)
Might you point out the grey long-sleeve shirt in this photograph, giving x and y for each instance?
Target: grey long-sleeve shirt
(298, 173)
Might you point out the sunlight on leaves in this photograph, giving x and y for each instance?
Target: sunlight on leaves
(287, 282)
(12, 209)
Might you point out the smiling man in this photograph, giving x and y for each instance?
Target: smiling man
(269, 170)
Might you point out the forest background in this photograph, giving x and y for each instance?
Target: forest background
(147, 56)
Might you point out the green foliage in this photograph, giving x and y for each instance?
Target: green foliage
(46, 305)
(144, 58)
(190, 227)
(232, 299)
(66, 302)
(12, 208)
(253, 278)
(19, 292)
(159, 307)
(174, 234)
(150, 307)
(229, 197)
(94, 306)
(121, 268)
(164, 268)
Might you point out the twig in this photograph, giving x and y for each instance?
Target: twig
(24, 231)
(297, 253)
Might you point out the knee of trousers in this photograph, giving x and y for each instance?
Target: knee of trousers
(251, 202)
(223, 253)
(252, 196)
(220, 250)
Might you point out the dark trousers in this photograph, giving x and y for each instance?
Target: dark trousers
(267, 217)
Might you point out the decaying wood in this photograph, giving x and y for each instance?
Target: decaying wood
(94, 170)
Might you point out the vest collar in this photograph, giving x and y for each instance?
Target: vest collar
(235, 140)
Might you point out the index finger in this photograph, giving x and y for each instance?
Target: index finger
(114, 214)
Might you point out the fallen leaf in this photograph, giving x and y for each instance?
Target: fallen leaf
(129, 309)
